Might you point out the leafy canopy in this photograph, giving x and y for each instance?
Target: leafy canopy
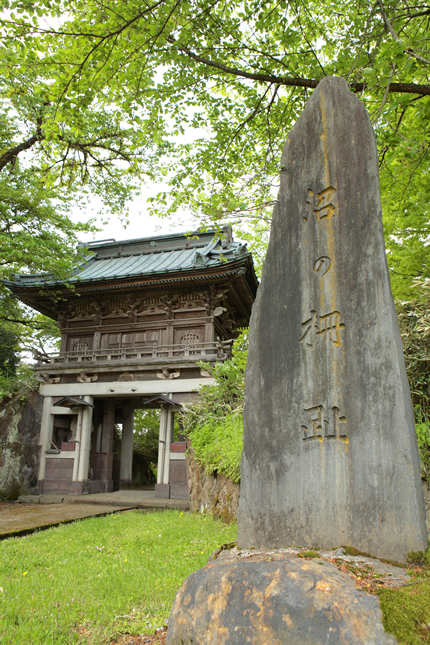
(55, 153)
(237, 75)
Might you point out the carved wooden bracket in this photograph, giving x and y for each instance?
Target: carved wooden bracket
(167, 374)
(87, 378)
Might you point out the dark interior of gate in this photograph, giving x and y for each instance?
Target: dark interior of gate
(141, 317)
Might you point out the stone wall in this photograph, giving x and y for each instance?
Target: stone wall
(19, 444)
(213, 494)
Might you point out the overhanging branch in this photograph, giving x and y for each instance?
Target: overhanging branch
(405, 88)
(10, 155)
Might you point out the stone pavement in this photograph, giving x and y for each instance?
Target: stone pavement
(32, 512)
(130, 498)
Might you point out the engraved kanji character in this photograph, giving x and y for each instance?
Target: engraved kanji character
(335, 432)
(324, 206)
(312, 328)
(321, 204)
(330, 327)
(318, 428)
(317, 424)
(321, 327)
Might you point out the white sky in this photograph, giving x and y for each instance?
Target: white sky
(140, 223)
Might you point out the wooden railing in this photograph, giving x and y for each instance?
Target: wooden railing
(220, 350)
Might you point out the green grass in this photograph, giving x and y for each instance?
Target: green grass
(92, 580)
(96, 578)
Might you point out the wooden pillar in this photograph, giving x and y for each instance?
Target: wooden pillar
(107, 444)
(126, 464)
(85, 445)
(98, 440)
(75, 476)
(46, 430)
(161, 489)
(169, 439)
(108, 426)
(161, 443)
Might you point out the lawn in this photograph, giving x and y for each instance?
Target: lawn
(96, 578)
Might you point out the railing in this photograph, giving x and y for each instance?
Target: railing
(195, 352)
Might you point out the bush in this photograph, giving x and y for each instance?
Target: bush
(218, 446)
(414, 322)
(23, 382)
(214, 421)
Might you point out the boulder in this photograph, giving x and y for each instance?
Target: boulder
(274, 602)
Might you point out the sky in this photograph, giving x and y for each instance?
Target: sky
(140, 223)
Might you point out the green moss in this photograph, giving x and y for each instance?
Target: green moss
(419, 558)
(308, 554)
(406, 612)
(350, 550)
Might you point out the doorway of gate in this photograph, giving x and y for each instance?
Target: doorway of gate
(137, 444)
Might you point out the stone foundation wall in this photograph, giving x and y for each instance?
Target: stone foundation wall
(213, 494)
(19, 444)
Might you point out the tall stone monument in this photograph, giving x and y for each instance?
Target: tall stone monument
(330, 453)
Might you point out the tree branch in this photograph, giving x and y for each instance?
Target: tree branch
(406, 88)
(390, 28)
(10, 155)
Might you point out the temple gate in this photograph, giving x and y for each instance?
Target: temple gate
(140, 317)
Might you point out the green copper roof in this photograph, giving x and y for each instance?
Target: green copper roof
(148, 256)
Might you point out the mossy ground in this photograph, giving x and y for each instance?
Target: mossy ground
(406, 612)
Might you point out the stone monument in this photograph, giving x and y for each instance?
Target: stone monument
(330, 453)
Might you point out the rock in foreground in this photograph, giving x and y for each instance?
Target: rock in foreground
(280, 602)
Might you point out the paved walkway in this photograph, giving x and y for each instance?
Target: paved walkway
(133, 498)
(32, 512)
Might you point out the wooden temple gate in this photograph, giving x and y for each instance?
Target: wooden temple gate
(141, 316)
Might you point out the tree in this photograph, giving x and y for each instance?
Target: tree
(9, 353)
(49, 162)
(242, 71)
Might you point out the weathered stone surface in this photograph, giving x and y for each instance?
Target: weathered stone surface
(330, 455)
(212, 494)
(19, 445)
(279, 602)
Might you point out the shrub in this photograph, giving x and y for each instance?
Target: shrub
(214, 421)
(218, 446)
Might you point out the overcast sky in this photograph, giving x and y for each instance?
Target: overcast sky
(140, 223)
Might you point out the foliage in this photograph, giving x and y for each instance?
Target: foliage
(95, 579)
(414, 321)
(214, 420)
(54, 157)
(22, 382)
(146, 431)
(233, 78)
(9, 357)
(218, 446)
(145, 445)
